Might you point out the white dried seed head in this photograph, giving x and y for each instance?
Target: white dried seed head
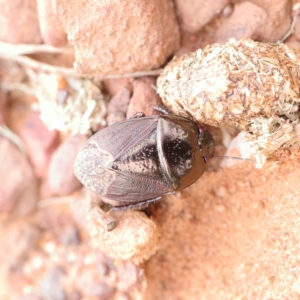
(255, 85)
(76, 108)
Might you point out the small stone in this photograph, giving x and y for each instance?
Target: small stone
(52, 285)
(228, 10)
(18, 185)
(50, 24)
(61, 179)
(135, 237)
(40, 142)
(101, 291)
(144, 97)
(69, 236)
(117, 106)
(113, 86)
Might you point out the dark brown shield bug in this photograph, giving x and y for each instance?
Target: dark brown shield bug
(139, 160)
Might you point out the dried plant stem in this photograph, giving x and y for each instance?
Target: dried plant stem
(156, 72)
(17, 53)
(7, 133)
(54, 201)
(21, 49)
(29, 62)
(34, 64)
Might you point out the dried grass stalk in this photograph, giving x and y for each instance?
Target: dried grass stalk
(255, 85)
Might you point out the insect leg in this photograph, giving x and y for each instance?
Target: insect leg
(135, 205)
(105, 220)
(138, 115)
(161, 109)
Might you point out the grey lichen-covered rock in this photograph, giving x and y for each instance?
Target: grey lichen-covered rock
(254, 85)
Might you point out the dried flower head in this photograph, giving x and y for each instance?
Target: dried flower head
(69, 104)
(255, 85)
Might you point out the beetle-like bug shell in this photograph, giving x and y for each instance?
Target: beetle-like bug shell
(141, 159)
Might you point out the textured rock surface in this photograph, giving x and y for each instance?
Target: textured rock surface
(119, 36)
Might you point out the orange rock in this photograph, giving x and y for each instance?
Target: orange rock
(135, 238)
(115, 37)
(144, 97)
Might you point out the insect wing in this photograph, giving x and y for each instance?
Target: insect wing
(118, 138)
(134, 188)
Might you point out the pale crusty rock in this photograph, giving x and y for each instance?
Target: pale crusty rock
(50, 24)
(121, 36)
(135, 237)
(255, 85)
(19, 22)
(131, 235)
(194, 14)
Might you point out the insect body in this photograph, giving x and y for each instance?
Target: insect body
(138, 160)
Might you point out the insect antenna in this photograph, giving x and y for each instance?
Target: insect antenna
(233, 157)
